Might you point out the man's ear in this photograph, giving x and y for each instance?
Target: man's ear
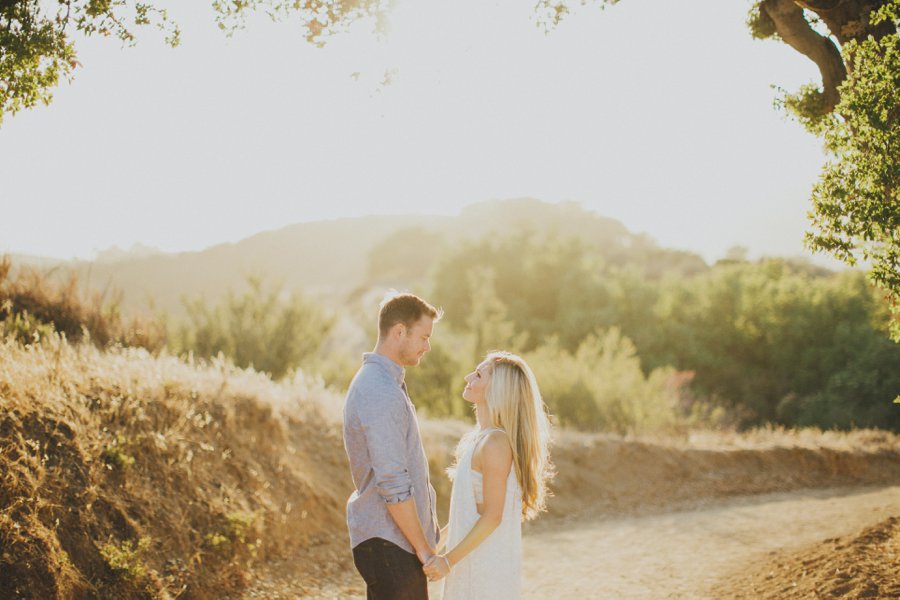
(398, 330)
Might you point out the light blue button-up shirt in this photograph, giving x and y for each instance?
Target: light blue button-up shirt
(387, 459)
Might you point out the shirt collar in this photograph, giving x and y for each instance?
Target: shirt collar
(396, 371)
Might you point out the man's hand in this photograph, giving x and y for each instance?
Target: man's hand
(425, 555)
(407, 519)
(437, 568)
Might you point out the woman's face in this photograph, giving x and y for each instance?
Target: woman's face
(477, 382)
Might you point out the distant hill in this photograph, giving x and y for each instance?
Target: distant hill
(43, 263)
(325, 259)
(116, 254)
(331, 259)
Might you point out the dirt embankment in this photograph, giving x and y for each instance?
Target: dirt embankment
(126, 475)
(608, 475)
(863, 565)
(130, 476)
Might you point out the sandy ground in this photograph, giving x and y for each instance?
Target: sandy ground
(684, 554)
(680, 554)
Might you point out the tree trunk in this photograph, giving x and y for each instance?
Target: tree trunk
(849, 19)
(846, 20)
(796, 31)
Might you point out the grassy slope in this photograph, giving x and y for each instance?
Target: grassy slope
(223, 470)
(217, 468)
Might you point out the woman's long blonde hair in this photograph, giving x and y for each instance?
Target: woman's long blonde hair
(515, 405)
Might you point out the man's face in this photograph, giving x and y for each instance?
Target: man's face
(415, 341)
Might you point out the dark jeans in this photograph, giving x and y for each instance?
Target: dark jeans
(390, 572)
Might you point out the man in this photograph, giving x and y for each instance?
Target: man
(391, 514)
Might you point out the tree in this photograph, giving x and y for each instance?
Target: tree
(856, 212)
(854, 43)
(37, 39)
(816, 29)
(856, 208)
(773, 343)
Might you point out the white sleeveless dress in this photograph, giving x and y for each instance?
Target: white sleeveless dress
(493, 570)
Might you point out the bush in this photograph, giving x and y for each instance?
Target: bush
(602, 386)
(264, 328)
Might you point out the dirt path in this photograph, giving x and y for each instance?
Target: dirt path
(672, 555)
(683, 554)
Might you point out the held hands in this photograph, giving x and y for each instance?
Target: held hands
(426, 555)
(437, 568)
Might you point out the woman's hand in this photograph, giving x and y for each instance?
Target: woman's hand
(437, 568)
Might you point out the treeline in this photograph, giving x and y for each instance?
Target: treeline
(623, 335)
(619, 345)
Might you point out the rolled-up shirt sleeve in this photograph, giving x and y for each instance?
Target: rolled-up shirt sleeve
(386, 425)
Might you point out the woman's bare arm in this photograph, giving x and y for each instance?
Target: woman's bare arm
(496, 460)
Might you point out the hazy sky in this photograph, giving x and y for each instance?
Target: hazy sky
(654, 112)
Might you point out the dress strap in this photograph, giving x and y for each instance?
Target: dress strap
(490, 429)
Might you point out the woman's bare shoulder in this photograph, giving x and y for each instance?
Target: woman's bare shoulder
(496, 446)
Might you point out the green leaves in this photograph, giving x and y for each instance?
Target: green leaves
(616, 346)
(37, 49)
(34, 55)
(808, 106)
(95, 8)
(37, 45)
(761, 25)
(856, 208)
(550, 13)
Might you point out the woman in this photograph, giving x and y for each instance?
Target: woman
(499, 480)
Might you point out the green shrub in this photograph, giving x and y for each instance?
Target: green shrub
(264, 328)
(602, 386)
(126, 560)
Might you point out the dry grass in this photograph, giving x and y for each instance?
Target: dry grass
(127, 476)
(868, 440)
(32, 305)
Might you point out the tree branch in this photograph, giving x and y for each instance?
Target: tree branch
(796, 31)
(849, 19)
(817, 5)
